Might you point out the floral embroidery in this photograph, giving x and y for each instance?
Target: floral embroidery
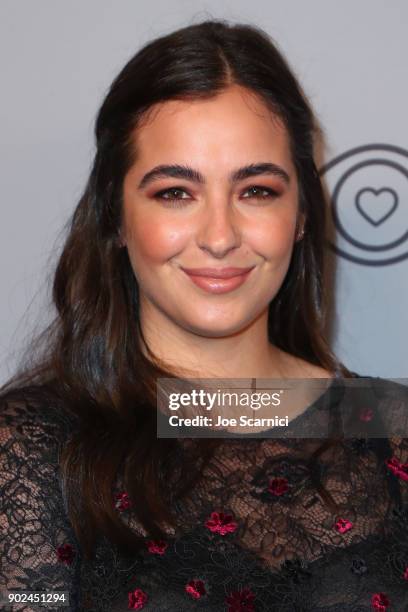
(278, 486)
(280, 479)
(137, 599)
(405, 574)
(366, 415)
(397, 468)
(122, 501)
(241, 601)
(195, 588)
(400, 515)
(380, 602)
(156, 547)
(393, 464)
(66, 553)
(342, 525)
(358, 566)
(296, 570)
(221, 523)
(360, 445)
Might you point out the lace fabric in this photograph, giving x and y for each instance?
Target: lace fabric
(256, 534)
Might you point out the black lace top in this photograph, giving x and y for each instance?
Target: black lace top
(254, 535)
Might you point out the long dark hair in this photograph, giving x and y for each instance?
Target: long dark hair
(93, 360)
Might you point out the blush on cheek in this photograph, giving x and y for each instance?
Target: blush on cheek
(278, 244)
(153, 241)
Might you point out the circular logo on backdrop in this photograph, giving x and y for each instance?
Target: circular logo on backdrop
(368, 189)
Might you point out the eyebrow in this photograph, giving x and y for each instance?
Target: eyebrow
(186, 172)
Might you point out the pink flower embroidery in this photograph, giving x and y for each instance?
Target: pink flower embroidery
(278, 486)
(397, 468)
(405, 574)
(195, 588)
(342, 525)
(221, 523)
(122, 501)
(366, 415)
(157, 547)
(380, 602)
(137, 599)
(241, 601)
(65, 553)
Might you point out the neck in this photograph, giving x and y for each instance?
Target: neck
(247, 353)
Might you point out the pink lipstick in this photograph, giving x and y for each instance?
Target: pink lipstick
(218, 280)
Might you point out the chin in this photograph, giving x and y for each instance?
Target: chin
(217, 328)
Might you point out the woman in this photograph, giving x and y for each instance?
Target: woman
(204, 159)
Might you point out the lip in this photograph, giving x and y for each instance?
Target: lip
(211, 280)
(217, 272)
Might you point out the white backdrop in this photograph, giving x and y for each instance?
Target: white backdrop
(58, 58)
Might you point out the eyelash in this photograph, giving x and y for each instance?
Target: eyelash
(176, 201)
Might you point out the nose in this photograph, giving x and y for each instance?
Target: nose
(218, 231)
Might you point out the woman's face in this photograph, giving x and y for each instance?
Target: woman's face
(226, 196)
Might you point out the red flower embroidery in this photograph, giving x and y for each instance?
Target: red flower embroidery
(405, 574)
(397, 468)
(380, 602)
(66, 553)
(157, 547)
(278, 486)
(137, 599)
(221, 523)
(342, 525)
(195, 588)
(122, 501)
(241, 601)
(366, 415)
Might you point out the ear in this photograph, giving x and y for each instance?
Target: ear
(120, 240)
(300, 227)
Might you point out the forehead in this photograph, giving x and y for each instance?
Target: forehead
(234, 123)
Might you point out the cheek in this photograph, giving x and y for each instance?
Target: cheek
(153, 239)
(274, 239)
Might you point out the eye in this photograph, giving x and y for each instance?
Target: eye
(260, 193)
(172, 195)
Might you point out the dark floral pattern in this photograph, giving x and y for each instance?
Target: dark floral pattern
(241, 601)
(221, 523)
(380, 602)
(255, 534)
(157, 547)
(196, 589)
(122, 501)
(297, 570)
(358, 566)
(137, 599)
(66, 553)
(397, 468)
(343, 525)
(366, 415)
(278, 486)
(360, 446)
(280, 480)
(400, 517)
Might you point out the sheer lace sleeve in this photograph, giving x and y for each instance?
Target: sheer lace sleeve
(38, 549)
(393, 406)
(398, 466)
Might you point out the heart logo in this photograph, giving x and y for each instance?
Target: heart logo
(376, 205)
